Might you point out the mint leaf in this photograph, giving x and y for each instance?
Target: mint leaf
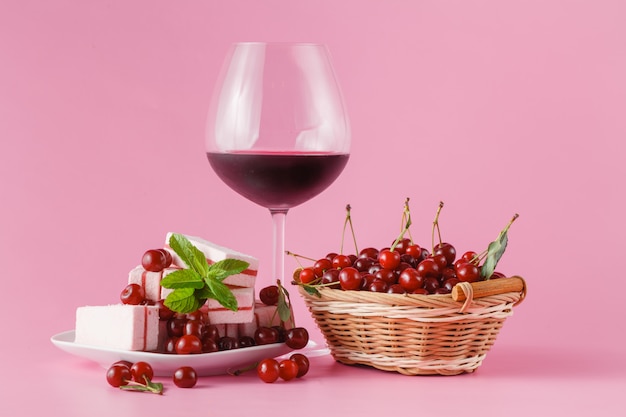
(227, 267)
(191, 255)
(222, 293)
(183, 278)
(204, 293)
(182, 300)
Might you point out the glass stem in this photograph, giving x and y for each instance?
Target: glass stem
(279, 218)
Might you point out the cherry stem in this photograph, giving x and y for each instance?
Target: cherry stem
(347, 221)
(436, 226)
(238, 372)
(406, 214)
(296, 256)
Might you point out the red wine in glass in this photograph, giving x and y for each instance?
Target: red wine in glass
(278, 180)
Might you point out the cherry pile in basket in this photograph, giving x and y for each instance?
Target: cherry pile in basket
(405, 266)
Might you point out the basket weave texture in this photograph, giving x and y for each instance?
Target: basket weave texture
(410, 334)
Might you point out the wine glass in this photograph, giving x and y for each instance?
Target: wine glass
(277, 130)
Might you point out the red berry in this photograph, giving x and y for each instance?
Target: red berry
(269, 295)
(133, 294)
(185, 377)
(378, 285)
(396, 289)
(468, 272)
(302, 362)
(447, 250)
(321, 266)
(268, 370)
(154, 260)
(469, 256)
(414, 250)
(266, 335)
(389, 259)
(168, 258)
(307, 275)
(369, 253)
(188, 344)
(341, 261)
(287, 369)
(141, 371)
(429, 268)
(410, 279)
(350, 278)
(118, 374)
(297, 337)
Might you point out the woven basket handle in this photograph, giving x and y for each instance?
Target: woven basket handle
(464, 291)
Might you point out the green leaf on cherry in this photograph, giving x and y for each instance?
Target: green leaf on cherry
(284, 303)
(149, 386)
(495, 250)
(183, 278)
(311, 290)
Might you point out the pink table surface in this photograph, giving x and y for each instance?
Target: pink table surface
(513, 380)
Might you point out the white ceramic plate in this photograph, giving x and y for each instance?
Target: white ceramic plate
(205, 364)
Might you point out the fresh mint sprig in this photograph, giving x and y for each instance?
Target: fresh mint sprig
(193, 286)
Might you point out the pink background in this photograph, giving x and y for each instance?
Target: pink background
(494, 107)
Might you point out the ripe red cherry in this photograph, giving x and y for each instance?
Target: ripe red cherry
(469, 256)
(410, 280)
(414, 250)
(447, 250)
(266, 335)
(141, 371)
(228, 343)
(185, 377)
(194, 327)
(268, 370)
(429, 268)
(331, 276)
(402, 245)
(297, 337)
(389, 259)
(468, 272)
(168, 258)
(118, 375)
(188, 344)
(341, 261)
(440, 259)
(303, 364)
(369, 253)
(350, 278)
(431, 284)
(387, 275)
(307, 275)
(154, 260)
(321, 266)
(378, 285)
(363, 264)
(269, 295)
(396, 289)
(287, 369)
(133, 294)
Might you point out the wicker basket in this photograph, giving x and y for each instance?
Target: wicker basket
(410, 334)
